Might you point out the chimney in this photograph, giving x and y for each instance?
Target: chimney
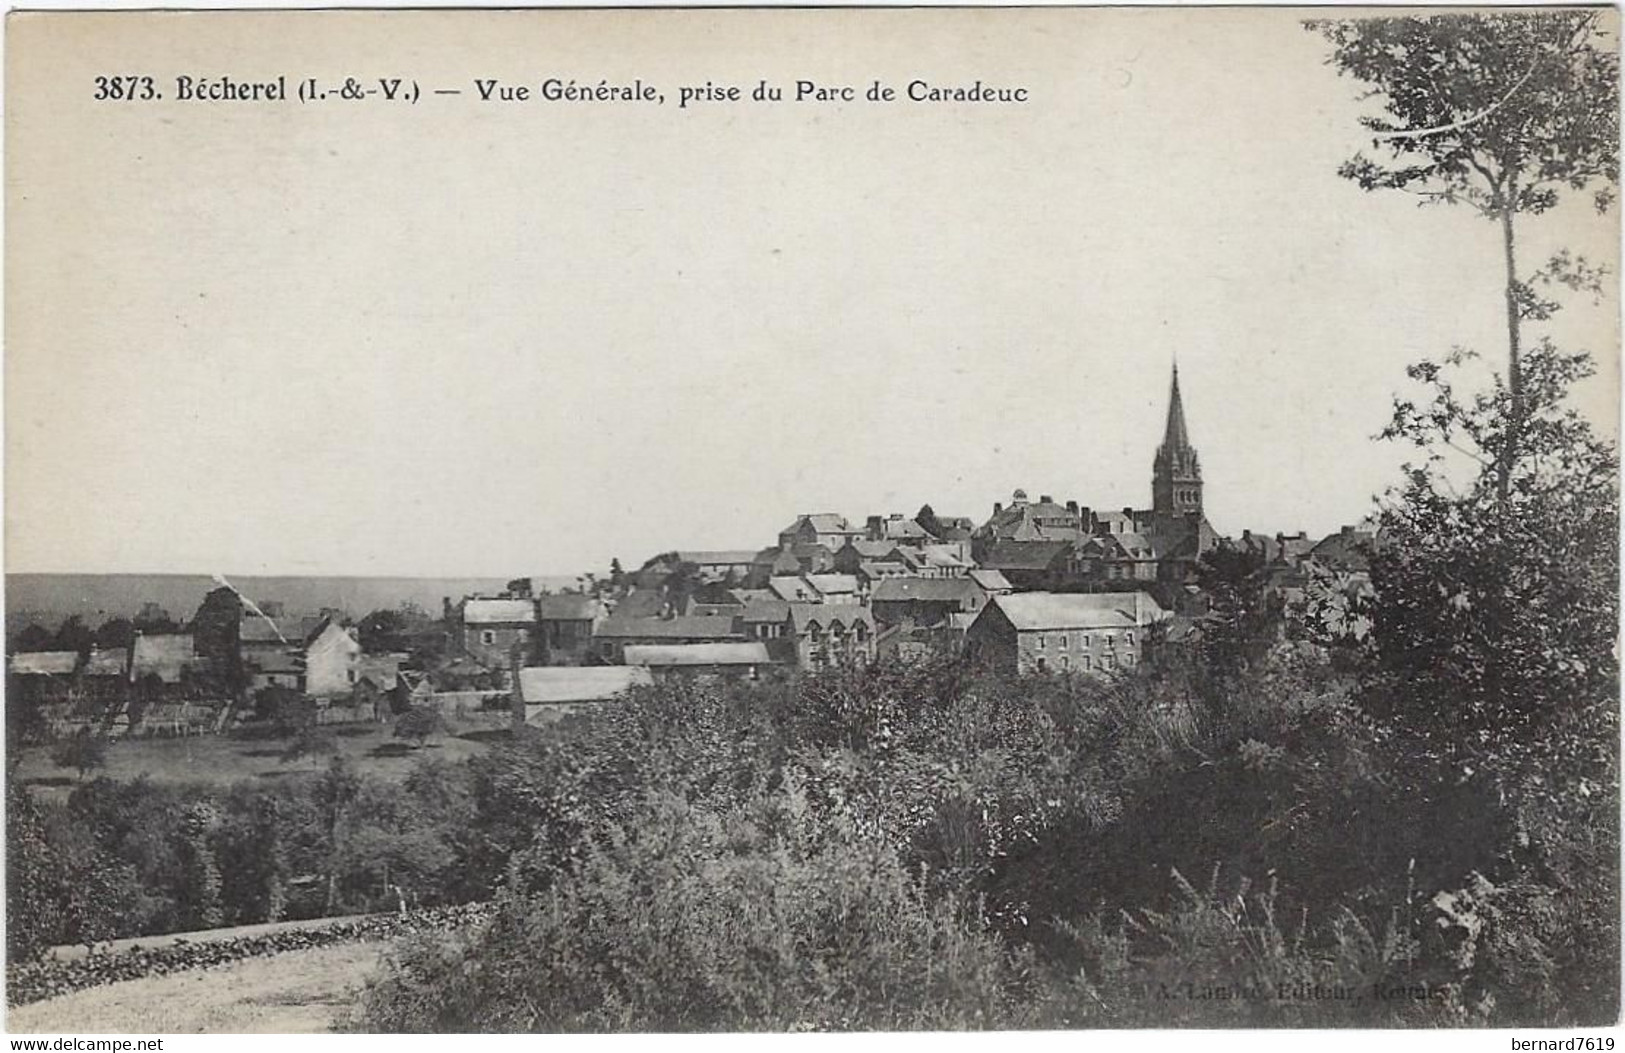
(1047, 499)
(876, 530)
(446, 610)
(997, 508)
(1348, 531)
(1072, 506)
(1129, 512)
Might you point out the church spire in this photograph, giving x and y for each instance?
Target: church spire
(1176, 475)
(1174, 437)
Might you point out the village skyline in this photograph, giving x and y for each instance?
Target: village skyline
(306, 365)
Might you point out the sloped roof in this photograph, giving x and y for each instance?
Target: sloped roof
(1349, 549)
(871, 549)
(639, 603)
(164, 655)
(833, 584)
(382, 669)
(277, 662)
(699, 654)
(114, 661)
(1078, 610)
(692, 627)
(45, 663)
(568, 607)
(557, 684)
(498, 612)
(758, 612)
(990, 579)
(792, 587)
(255, 629)
(903, 528)
(1024, 555)
(943, 556)
(827, 614)
(823, 523)
(925, 590)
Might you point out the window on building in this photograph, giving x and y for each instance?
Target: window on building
(352, 676)
(1063, 641)
(1110, 640)
(1066, 661)
(488, 636)
(1128, 638)
(1088, 663)
(1040, 642)
(1043, 665)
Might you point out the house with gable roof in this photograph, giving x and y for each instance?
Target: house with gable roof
(1075, 632)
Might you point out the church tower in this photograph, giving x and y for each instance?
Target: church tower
(1176, 475)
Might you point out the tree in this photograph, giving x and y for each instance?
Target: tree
(310, 740)
(927, 518)
(33, 638)
(382, 630)
(33, 877)
(73, 635)
(1496, 615)
(418, 724)
(1499, 112)
(84, 752)
(200, 873)
(115, 633)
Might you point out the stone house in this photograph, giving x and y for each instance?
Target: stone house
(1043, 632)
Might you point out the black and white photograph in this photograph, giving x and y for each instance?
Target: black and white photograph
(776, 520)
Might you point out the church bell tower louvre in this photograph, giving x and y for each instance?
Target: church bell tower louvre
(1176, 475)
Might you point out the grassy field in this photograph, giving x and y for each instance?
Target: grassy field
(221, 759)
(297, 992)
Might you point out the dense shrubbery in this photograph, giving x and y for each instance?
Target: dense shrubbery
(138, 858)
(914, 848)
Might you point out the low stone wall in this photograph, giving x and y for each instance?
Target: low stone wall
(36, 981)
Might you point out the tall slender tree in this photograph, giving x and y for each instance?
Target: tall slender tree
(1501, 113)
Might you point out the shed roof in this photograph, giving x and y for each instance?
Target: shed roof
(45, 663)
(990, 579)
(700, 654)
(925, 590)
(556, 684)
(690, 627)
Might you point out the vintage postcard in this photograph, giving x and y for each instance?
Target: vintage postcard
(777, 520)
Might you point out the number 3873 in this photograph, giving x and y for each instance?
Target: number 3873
(125, 89)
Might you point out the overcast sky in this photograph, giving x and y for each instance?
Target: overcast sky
(466, 339)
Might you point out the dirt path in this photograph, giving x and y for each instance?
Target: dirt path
(295, 992)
